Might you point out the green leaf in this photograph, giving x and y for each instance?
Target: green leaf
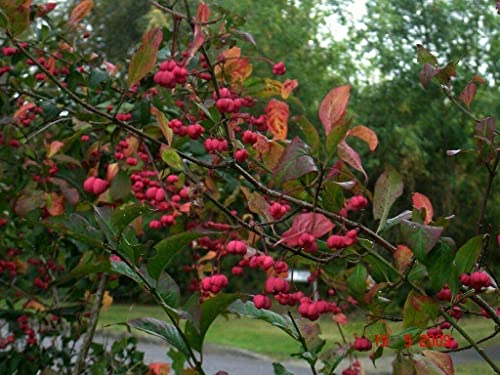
(334, 138)
(418, 310)
(441, 268)
(248, 309)
(163, 330)
(388, 189)
(377, 354)
(425, 57)
(310, 133)
(398, 341)
(125, 214)
(168, 290)
(166, 250)
(294, 163)
(332, 197)
(144, 59)
(357, 279)
(120, 186)
(103, 218)
(172, 158)
(122, 268)
(468, 254)
(89, 263)
(420, 238)
(178, 360)
(210, 310)
(279, 369)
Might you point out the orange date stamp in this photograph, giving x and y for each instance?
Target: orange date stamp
(424, 341)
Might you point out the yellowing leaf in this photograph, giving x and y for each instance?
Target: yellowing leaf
(17, 13)
(333, 107)
(288, 86)
(277, 118)
(402, 257)
(144, 59)
(421, 201)
(107, 300)
(163, 123)
(365, 134)
(81, 11)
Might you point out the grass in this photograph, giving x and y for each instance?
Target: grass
(261, 337)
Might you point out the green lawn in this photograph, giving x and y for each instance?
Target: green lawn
(261, 337)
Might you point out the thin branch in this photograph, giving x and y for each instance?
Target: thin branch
(484, 339)
(94, 317)
(471, 341)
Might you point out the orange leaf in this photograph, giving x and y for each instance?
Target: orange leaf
(277, 118)
(402, 257)
(55, 204)
(288, 86)
(81, 11)
(365, 134)
(54, 148)
(235, 68)
(333, 107)
(33, 304)
(144, 59)
(158, 368)
(421, 201)
(351, 157)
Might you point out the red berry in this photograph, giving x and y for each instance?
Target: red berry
(279, 68)
(261, 301)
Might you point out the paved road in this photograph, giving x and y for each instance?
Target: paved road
(240, 362)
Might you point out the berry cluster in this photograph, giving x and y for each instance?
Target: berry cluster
(170, 74)
(339, 242)
(476, 280)
(213, 284)
(95, 185)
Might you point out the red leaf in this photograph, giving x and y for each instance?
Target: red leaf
(81, 11)
(288, 86)
(333, 107)
(421, 201)
(402, 257)
(365, 134)
(202, 15)
(312, 223)
(23, 111)
(469, 92)
(144, 59)
(277, 113)
(351, 157)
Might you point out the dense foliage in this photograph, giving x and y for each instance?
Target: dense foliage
(182, 158)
